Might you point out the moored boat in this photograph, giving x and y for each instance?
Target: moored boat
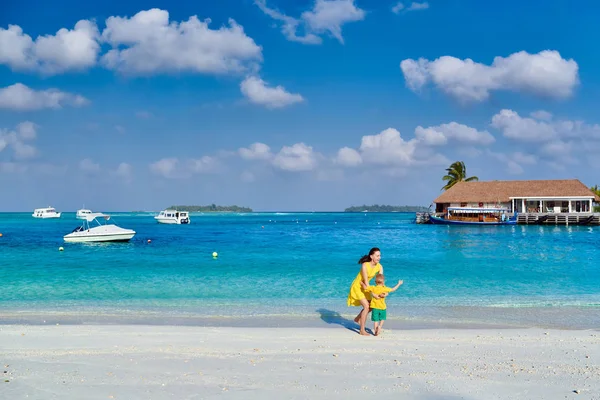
(82, 213)
(48, 212)
(474, 216)
(103, 232)
(173, 217)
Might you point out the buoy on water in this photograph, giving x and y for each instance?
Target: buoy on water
(61, 248)
(215, 254)
(149, 241)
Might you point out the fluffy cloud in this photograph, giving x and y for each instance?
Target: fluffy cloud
(514, 161)
(388, 147)
(67, 50)
(348, 157)
(298, 157)
(541, 115)
(19, 97)
(439, 135)
(203, 165)
(17, 140)
(524, 129)
(545, 74)
(148, 43)
(165, 167)
(256, 151)
(327, 16)
(88, 166)
(413, 7)
(257, 92)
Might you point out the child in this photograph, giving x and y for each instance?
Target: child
(377, 305)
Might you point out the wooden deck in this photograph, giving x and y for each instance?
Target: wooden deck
(559, 218)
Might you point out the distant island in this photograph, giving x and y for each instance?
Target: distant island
(385, 208)
(211, 208)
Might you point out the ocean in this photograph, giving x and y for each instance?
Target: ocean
(295, 269)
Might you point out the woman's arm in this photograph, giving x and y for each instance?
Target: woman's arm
(381, 270)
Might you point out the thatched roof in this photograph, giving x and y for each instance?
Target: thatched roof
(501, 191)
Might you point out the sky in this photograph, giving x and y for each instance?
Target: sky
(290, 105)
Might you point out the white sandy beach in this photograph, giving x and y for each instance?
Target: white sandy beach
(172, 362)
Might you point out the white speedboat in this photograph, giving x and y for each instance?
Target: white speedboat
(103, 232)
(47, 212)
(173, 217)
(82, 213)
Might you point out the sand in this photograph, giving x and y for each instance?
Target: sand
(185, 362)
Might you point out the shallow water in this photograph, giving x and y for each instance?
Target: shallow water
(291, 265)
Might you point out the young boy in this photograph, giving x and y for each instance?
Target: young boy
(378, 307)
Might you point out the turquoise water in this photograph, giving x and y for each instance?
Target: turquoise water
(298, 266)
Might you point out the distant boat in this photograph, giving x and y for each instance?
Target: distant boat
(474, 216)
(103, 232)
(83, 213)
(173, 217)
(47, 212)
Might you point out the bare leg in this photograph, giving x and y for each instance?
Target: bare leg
(379, 328)
(376, 327)
(363, 316)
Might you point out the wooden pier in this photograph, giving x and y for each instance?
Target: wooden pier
(558, 219)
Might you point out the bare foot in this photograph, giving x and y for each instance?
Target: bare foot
(357, 319)
(364, 333)
(377, 331)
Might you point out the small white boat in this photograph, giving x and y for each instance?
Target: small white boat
(103, 232)
(83, 213)
(47, 212)
(173, 217)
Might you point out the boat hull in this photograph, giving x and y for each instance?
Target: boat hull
(172, 221)
(100, 238)
(105, 233)
(43, 216)
(442, 221)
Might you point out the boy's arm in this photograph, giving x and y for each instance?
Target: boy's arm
(396, 287)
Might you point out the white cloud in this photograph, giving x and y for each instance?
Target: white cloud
(541, 115)
(327, 16)
(203, 165)
(124, 171)
(514, 161)
(19, 97)
(16, 140)
(545, 74)
(89, 166)
(413, 7)
(388, 147)
(67, 50)
(257, 91)
(165, 167)
(298, 157)
(513, 126)
(348, 157)
(439, 135)
(148, 43)
(256, 151)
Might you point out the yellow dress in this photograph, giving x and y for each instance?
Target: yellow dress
(356, 292)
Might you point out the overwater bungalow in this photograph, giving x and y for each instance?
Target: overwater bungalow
(565, 201)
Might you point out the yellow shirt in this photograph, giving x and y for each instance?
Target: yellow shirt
(378, 303)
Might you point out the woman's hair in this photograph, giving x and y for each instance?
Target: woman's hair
(367, 257)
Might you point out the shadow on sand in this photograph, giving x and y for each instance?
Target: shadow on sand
(334, 317)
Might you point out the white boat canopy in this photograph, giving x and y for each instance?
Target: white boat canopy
(467, 210)
(93, 216)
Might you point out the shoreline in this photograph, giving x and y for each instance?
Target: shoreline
(568, 319)
(163, 362)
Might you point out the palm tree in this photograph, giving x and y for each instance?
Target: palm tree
(596, 190)
(457, 172)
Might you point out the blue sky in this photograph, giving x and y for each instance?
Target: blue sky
(288, 104)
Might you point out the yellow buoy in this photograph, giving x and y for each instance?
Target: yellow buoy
(61, 248)
(215, 254)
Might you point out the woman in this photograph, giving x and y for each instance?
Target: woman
(357, 297)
